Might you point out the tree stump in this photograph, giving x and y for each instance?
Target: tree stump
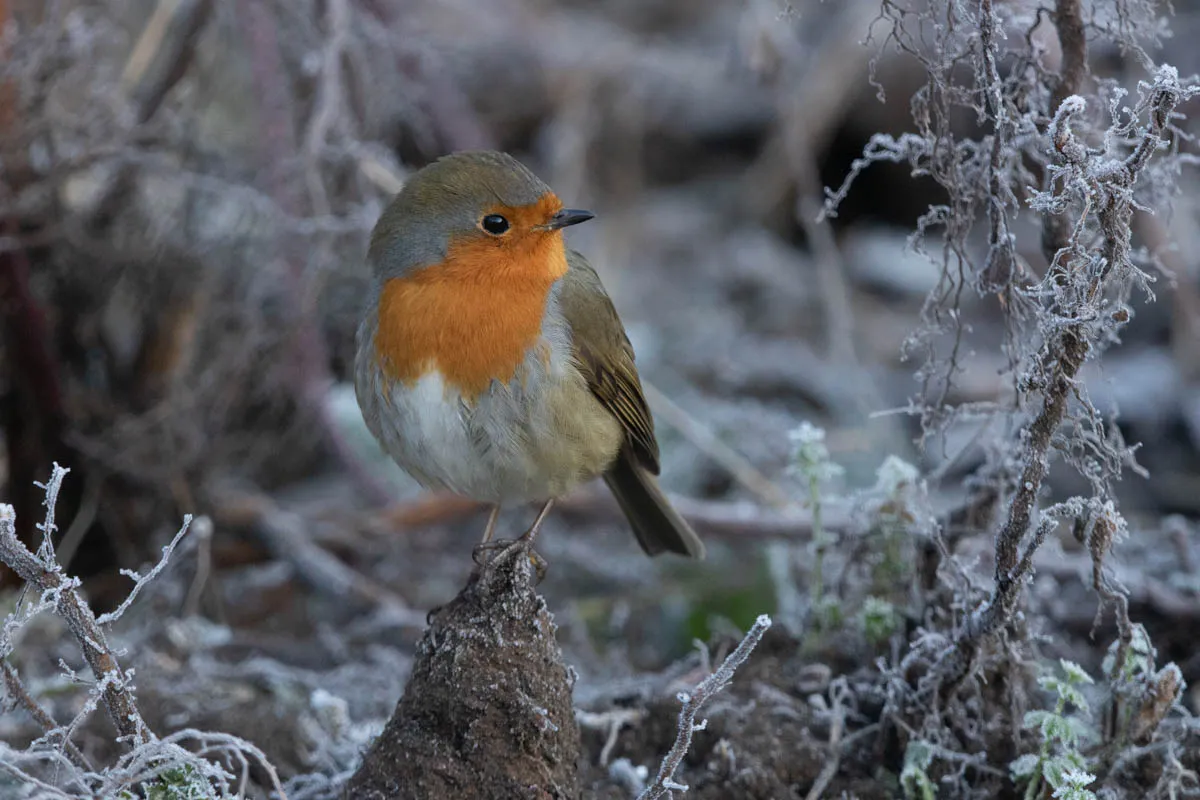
(487, 712)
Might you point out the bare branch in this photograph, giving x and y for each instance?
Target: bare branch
(115, 685)
(16, 690)
(1068, 21)
(140, 580)
(1064, 351)
(1001, 259)
(664, 783)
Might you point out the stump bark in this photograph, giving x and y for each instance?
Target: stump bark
(487, 712)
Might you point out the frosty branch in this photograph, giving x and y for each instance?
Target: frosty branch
(43, 573)
(1083, 313)
(664, 783)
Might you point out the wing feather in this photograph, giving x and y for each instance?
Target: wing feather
(605, 357)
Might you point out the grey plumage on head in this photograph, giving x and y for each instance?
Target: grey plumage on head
(446, 198)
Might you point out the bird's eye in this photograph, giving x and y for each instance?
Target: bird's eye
(494, 224)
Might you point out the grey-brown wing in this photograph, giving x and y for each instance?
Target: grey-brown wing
(605, 357)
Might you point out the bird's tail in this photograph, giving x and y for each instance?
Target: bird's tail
(657, 526)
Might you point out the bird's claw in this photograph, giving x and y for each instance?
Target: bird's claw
(489, 555)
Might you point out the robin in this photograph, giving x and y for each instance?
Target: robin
(491, 362)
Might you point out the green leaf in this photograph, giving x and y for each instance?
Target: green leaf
(1034, 720)
(1024, 767)
(1076, 675)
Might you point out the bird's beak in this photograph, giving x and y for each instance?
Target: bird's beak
(566, 217)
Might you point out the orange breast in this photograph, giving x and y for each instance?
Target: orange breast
(472, 318)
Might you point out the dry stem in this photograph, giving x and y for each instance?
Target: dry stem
(16, 689)
(664, 783)
(115, 686)
(1068, 20)
(1060, 359)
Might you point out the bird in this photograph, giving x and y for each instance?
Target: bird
(491, 363)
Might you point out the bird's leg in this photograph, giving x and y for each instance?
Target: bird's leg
(526, 541)
(490, 528)
(510, 547)
(488, 544)
(532, 533)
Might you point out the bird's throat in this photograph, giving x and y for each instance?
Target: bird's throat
(473, 323)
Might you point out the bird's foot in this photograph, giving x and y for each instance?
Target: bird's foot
(490, 550)
(490, 555)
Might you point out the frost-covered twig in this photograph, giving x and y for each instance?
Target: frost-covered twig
(10, 763)
(215, 764)
(664, 783)
(145, 763)
(114, 683)
(1001, 258)
(1078, 304)
(52, 487)
(16, 690)
(140, 580)
(1037, 150)
(1068, 21)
